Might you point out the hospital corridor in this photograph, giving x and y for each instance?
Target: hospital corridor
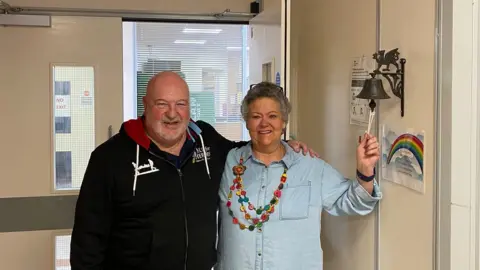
(132, 133)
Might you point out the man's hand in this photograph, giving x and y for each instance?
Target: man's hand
(297, 146)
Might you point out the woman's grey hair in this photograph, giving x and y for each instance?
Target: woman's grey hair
(266, 90)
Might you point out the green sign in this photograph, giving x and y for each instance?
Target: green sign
(142, 81)
(202, 106)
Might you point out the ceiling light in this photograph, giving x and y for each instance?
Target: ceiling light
(236, 48)
(189, 41)
(201, 31)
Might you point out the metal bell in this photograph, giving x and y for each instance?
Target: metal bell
(373, 89)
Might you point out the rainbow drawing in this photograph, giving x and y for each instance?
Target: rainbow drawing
(408, 142)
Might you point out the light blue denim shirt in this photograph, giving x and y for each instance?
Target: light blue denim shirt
(290, 239)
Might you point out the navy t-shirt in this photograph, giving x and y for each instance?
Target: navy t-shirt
(185, 152)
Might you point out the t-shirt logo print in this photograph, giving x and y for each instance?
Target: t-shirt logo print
(142, 169)
(198, 155)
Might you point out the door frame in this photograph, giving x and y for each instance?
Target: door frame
(285, 72)
(456, 90)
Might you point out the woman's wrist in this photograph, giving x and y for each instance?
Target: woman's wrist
(366, 175)
(367, 171)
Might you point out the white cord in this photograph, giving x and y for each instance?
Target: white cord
(205, 155)
(136, 171)
(370, 120)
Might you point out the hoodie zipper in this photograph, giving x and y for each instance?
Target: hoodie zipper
(180, 175)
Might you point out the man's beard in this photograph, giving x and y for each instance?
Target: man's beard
(171, 135)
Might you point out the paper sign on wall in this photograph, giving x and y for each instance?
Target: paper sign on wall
(62, 105)
(359, 110)
(403, 158)
(277, 78)
(62, 98)
(86, 100)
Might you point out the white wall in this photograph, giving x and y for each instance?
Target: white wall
(265, 48)
(458, 229)
(266, 41)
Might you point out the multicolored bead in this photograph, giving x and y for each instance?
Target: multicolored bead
(264, 212)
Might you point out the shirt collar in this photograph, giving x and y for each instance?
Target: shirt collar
(287, 160)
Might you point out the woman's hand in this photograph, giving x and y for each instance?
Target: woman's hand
(368, 154)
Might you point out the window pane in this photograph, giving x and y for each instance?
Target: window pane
(212, 58)
(62, 252)
(63, 169)
(62, 88)
(62, 124)
(74, 118)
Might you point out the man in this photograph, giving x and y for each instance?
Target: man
(149, 196)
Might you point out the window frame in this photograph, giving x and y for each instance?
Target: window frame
(54, 235)
(53, 65)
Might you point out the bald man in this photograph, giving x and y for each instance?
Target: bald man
(148, 200)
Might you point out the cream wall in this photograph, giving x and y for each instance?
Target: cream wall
(64, 44)
(401, 239)
(28, 166)
(39, 254)
(325, 35)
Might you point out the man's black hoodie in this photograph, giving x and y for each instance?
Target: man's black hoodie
(138, 210)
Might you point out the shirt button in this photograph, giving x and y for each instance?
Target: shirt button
(259, 254)
(263, 187)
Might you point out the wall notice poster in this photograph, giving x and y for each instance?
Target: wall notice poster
(359, 110)
(402, 158)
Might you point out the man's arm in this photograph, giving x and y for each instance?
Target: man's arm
(227, 145)
(93, 216)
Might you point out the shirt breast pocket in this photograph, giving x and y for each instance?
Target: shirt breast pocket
(295, 201)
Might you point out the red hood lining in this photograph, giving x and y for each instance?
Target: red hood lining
(135, 130)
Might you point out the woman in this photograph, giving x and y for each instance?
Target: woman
(272, 197)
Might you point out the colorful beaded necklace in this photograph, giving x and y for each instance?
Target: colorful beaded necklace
(263, 212)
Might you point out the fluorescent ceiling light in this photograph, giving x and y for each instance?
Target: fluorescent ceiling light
(236, 48)
(201, 31)
(178, 41)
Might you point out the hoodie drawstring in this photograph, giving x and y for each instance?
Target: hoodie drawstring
(137, 161)
(136, 171)
(205, 155)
